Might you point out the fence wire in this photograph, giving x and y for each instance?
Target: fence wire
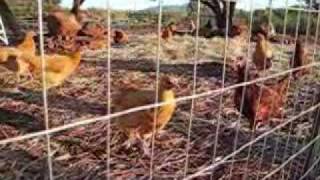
(44, 88)
(236, 150)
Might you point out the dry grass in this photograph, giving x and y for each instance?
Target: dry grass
(80, 153)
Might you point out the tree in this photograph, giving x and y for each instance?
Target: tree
(9, 19)
(315, 3)
(76, 6)
(220, 9)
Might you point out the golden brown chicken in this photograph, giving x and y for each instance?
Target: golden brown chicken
(257, 109)
(95, 44)
(62, 23)
(57, 67)
(139, 125)
(120, 37)
(262, 56)
(168, 32)
(93, 29)
(5, 52)
(299, 59)
(28, 45)
(10, 56)
(266, 29)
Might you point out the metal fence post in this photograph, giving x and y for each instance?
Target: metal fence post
(314, 150)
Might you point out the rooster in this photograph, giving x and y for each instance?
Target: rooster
(262, 56)
(260, 102)
(139, 125)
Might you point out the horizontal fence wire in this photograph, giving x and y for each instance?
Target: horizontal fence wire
(226, 158)
(81, 122)
(312, 167)
(292, 157)
(48, 132)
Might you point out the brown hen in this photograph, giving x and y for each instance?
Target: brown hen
(262, 56)
(139, 125)
(299, 59)
(57, 67)
(120, 37)
(168, 31)
(28, 45)
(10, 57)
(259, 109)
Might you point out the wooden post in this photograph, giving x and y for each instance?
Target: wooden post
(314, 150)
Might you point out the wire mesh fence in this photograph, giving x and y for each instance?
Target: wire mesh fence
(72, 131)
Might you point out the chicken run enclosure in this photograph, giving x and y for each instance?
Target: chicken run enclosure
(230, 120)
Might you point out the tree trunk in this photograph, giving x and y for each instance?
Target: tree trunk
(76, 6)
(221, 19)
(9, 19)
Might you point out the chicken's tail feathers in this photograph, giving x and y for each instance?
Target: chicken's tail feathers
(76, 55)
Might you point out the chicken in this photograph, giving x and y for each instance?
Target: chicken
(300, 59)
(10, 56)
(266, 29)
(61, 23)
(139, 125)
(93, 29)
(168, 32)
(5, 52)
(28, 45)
(259, 109)
(262, 56)
(97, 44)
(120, 37)
(183, 29)
(57, 67)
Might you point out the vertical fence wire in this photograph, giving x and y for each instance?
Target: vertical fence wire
(283, 164)
(289, 84)
(309, 153)
(300, 83)
(220, 108)
(280, 57)
(308, 171)
(259, 98)
(194, 88)
(44, 87)
(308, 166)
(314, 97)
(156, 89)
(235, 143)
(45, 99)
(258, 138)
(108, 86)
(315, 132)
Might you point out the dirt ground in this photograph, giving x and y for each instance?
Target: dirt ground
(81, 152)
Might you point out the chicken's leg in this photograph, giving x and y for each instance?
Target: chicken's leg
(145, 147)
(128, 143)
